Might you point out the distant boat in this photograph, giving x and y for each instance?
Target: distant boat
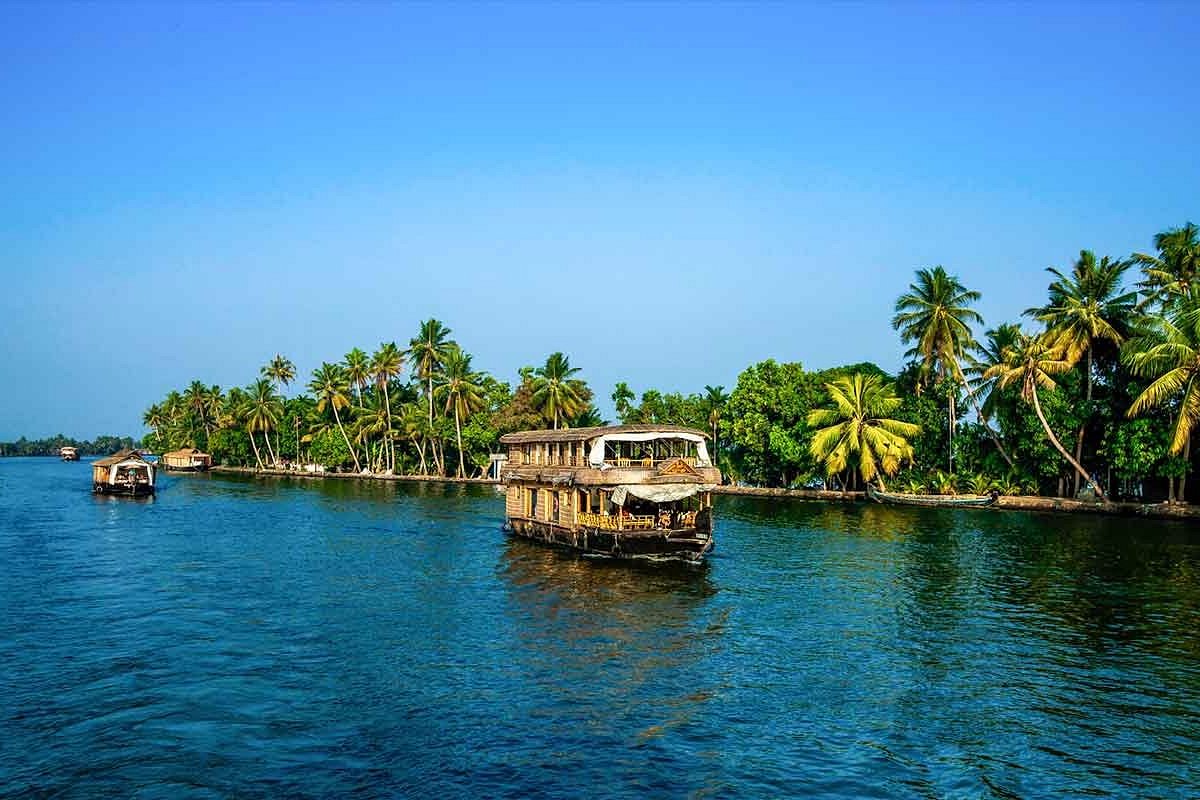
(932, 500)
(124, 472)
(189, 459)
(68, 453)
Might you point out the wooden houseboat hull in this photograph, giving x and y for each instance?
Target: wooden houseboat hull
(659, 544)
(195, 468)
(137, 490)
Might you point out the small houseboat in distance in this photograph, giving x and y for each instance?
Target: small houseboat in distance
(124, 472)
(68, 454)
(189, 459)
(627, 491)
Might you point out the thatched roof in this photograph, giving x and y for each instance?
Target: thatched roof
(118, 457)
(185, 452)
(583, 434)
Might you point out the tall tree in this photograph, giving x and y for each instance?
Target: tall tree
(555, 391)
(460, 386)
(358, 371)
(386, 365)
(1086, 307)
(714, 404)
(427, 352)
(623, 398)
(856, 431)
(1029, 363)
(1169, 354)
(330, 385)
(280, 370)
(263, 411)
(1174, 270)
(935, 318)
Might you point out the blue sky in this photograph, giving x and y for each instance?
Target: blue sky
(666, 192)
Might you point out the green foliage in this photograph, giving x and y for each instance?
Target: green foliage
(329, 448)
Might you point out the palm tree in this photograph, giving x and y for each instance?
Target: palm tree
(555, 393)
(426, 352)
(358, 371)
(935, 319)
(857, 428)
(1030, 362)
(1169, 354)
(280, 370)
(196, 399)
(463, 392)
(330, 385)
(155, 419)
(1175, 271)
(386, 364)
(262, 412)
(714, 402)
(415, 428)
(1086, 307)
(623, 398)
(986, 355)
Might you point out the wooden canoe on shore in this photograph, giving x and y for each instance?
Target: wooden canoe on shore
(932, 500)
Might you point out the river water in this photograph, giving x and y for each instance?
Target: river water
(266, 638)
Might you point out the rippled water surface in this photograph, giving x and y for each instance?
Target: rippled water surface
(238, 637)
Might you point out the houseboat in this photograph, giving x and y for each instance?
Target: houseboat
(189, 459)
(124, 472)
(68, 453)
(628, 491)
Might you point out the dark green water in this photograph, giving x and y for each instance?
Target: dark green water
(241, 638)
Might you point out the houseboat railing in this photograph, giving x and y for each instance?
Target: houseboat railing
(614, 522)
(622, 462)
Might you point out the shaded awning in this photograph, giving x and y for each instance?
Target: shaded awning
(659, 492)
(596, 456)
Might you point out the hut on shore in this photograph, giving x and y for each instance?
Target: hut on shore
(188, 459)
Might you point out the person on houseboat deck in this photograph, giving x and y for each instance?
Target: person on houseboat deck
(664, 518)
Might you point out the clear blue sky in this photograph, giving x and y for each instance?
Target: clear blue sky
(667, 193)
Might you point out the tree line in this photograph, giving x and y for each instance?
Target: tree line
(101, 445)
(1093, 392)
(361, 413)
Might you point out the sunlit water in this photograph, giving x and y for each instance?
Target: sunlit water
(254, 638)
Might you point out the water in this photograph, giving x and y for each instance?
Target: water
(269, 638)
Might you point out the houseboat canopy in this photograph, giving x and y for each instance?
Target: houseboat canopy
(119, 457)
(601, 436)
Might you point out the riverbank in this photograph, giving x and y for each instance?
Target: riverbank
(1057, 505)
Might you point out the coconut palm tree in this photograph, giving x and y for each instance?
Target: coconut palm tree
(857, 429)
(1086, 307)
(986, 355)
(935, 318)
(263, 411)
(280, 370)
(1169, 354)
(1029, 363)
(1175, 270)
(427, 352)
(461, 387)
(358, 371)
(415, 427)
(386, 364)
(623, 398)
(714, 400)
(155, 419)
(555, 393)
(196, 399)
(330, 386)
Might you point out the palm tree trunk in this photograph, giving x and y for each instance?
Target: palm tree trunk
(257, 458)
(462, 469)
(1187, 457)
(983, 421)
(387, 405)
(1037, 407)
(1086, 414)
(353, 454)
(267, 437)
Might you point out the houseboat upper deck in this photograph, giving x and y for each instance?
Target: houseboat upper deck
(626, 490)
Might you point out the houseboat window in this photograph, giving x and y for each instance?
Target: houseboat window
(531, 504)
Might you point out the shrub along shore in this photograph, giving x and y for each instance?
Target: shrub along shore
(1008, 503)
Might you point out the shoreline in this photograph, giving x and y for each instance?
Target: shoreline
(1054, 505)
